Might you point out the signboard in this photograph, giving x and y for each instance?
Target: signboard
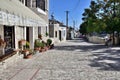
(12, 19)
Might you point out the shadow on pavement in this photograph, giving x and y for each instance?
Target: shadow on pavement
(105, 58)
(108, 59)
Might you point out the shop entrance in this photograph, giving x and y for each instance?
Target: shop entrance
(9, 37)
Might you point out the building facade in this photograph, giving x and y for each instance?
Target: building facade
(57, 30)
(41, 8)
(18, 22)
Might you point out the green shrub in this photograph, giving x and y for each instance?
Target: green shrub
(27, 44)
(42, 45)
(46, 34)
(49, 41)
(39, 44)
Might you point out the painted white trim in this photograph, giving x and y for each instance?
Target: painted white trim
(16, 42)
(41, 11)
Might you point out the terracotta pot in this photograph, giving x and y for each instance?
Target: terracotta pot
(28, 56)
(37, 49)
(48, 47)
(42, 50)
(22, 42)
(25, 53)
(45, 48)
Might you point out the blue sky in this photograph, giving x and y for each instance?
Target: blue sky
(76, 8)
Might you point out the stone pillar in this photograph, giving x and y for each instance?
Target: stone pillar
(31, 37)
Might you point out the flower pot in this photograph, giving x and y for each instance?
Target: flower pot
(28, 56)
(25, 53)
(42, 50)
(37, 48)
(22, 42)
(46, 48)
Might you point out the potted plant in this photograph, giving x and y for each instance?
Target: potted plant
(46, 34)
(26, 49)
(49, 43)
(27, 45)
(37, 45)
(21, 43)
(25, 53)
(30, 54)
(42, 45)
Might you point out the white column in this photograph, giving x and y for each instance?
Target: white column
(31, 3)
(31, 37)
(16, 41)
(24, 1)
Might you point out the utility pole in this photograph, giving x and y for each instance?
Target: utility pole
(68, 36)
(67, 12)
(74, 24)
(74, 27)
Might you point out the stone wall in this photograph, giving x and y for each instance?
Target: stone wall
(96, 39)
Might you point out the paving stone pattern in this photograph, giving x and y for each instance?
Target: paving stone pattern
(70, 60)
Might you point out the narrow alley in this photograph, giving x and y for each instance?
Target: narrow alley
(70, 60)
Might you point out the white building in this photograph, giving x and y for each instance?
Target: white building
(57, 31)
(18, 22)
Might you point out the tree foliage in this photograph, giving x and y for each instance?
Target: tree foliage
(102, 15)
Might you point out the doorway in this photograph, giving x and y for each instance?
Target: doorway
(9, 37)
(27, 34)
(60, 35)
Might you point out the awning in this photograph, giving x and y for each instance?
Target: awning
(20, 14)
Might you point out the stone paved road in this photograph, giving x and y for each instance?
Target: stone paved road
(71, 60)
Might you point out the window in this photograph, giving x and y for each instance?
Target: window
(55, 33)
(39, 30)
(40, 4)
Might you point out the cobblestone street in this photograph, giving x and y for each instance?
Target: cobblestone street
(70, 60)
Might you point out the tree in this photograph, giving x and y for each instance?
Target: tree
(111, 15)
(102, 15)
(83, 28)
(91, 18)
